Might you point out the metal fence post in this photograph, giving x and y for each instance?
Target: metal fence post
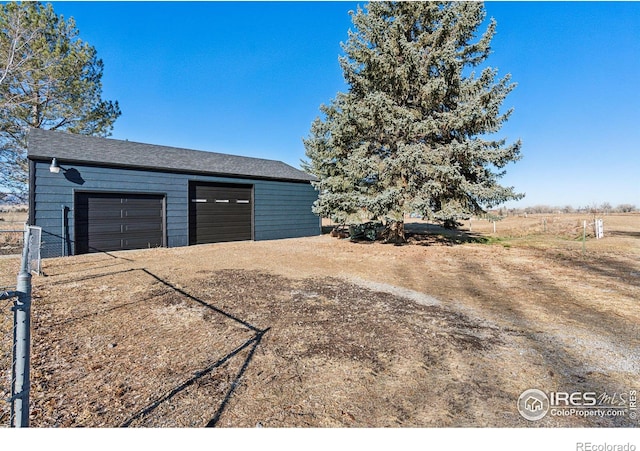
(63, 231)
(22, 345)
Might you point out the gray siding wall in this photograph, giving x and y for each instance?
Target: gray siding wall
(281, 209)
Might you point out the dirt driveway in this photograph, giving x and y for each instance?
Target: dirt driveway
(322, 332)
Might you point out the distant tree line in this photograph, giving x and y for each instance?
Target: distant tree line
(603, 208)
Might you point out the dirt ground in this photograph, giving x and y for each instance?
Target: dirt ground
(447, 331)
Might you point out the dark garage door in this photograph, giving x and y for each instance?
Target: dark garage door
(219, 212)
(116, 221)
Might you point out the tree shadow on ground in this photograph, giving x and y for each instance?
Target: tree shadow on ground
(612, 267)
(419, 233)
(560, 360)
(430, 234)
(624, 234)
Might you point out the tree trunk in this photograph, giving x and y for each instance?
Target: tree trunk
(394, 232)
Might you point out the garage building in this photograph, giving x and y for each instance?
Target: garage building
(93, 194)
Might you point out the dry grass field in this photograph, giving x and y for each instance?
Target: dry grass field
(447, 331)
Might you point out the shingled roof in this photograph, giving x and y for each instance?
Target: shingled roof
(80, 149)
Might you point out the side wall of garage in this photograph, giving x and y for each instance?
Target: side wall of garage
(282, 209)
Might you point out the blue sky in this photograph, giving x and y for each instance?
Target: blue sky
(247, 78)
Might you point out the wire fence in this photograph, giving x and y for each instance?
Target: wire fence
(11, 239)
(15, 336)
(6, 352)
(12, 220)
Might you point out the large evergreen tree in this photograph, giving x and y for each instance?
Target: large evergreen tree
(49, 78)
(414, 132)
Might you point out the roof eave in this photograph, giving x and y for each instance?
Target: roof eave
(45, 158)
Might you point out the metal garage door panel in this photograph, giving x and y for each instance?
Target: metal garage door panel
(109, 222)
(220, 212)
